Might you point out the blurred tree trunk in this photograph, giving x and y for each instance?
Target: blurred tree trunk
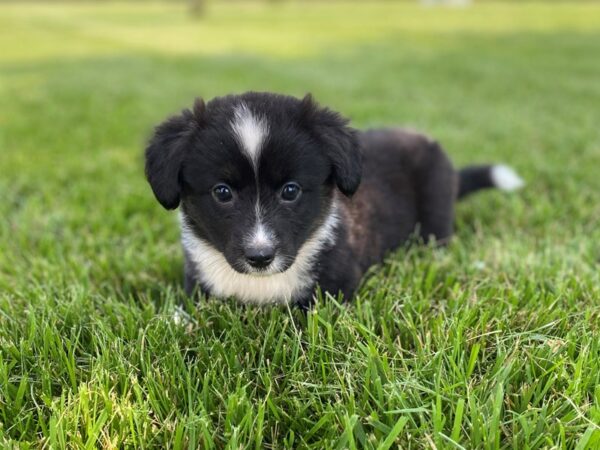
(197, 7)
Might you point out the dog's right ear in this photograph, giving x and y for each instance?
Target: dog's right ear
(166, 151)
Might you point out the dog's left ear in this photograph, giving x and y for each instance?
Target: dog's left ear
(340, 142)
(167, 150)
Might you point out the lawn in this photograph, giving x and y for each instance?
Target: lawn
(492, 342)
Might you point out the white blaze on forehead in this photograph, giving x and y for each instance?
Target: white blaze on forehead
(250, 132)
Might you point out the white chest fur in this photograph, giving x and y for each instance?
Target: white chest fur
(214, 271)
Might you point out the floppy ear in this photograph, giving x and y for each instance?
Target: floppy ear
(166, 151)
(340, 143)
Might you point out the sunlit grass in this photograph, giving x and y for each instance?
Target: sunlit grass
(492, 342)
(45, 30)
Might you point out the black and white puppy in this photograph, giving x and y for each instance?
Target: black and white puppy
(278, 195)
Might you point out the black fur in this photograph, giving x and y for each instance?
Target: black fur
(392, 182)
(474, 178)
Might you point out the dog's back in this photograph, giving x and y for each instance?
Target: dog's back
(408, 189)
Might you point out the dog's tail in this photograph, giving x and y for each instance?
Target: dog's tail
(474, 178)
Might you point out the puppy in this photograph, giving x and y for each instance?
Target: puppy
(278, 195)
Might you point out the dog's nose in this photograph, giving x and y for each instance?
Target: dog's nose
(260, 257)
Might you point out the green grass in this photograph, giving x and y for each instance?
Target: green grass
(493, 342)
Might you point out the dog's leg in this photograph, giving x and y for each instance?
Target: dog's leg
(437, 185)
(191, 283)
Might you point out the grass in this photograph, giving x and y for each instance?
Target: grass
(492, 343)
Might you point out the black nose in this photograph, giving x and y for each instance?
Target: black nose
(260, 257)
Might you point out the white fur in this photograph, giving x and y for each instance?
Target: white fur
(250, 131)
(223, 281)
(261, 236)
(505, 178)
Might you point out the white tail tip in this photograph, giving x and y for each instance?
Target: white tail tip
(505, 178)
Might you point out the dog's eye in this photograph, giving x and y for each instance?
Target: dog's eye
(290, 192)
(222, 193)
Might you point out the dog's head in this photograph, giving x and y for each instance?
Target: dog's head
(255, 174)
